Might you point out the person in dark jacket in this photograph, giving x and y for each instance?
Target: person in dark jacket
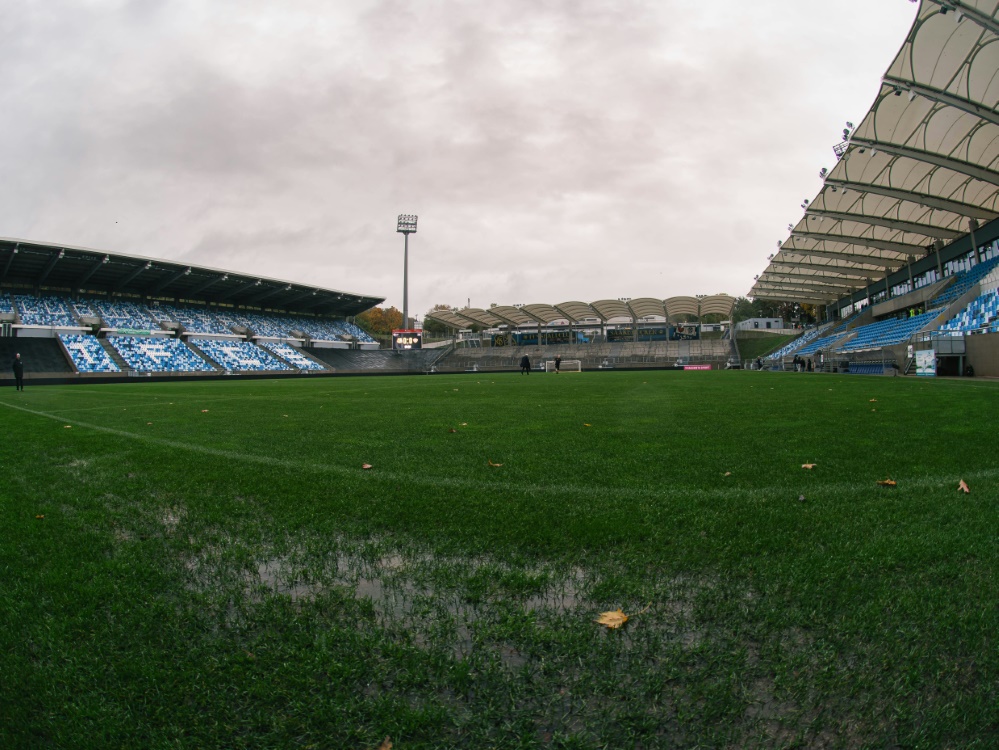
(525, 365)
(18, 372)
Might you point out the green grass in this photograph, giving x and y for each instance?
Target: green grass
(753, 344)
(233, 578)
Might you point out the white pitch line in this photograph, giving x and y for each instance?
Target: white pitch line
(508, 487)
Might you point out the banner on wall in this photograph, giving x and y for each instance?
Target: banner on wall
(926, 363)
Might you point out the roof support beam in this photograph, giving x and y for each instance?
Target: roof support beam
(808, 279)
(132, 276)
(928, 157)
(822, 288)
(862, 273)
(169, 280)
(795, 298)
(944, 204)
(785, 291)
(903, 248)
(880, 221)
(942, 97)
(91, 271)
(972, 14)
(782, 293)
(10, 261)
(49, 266)
(871, 260)
(268, 293)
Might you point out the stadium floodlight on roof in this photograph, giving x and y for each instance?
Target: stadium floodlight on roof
(407, 225)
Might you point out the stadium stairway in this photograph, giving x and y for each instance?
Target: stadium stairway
(115, 356)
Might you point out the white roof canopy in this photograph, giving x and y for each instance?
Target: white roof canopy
(921, 164)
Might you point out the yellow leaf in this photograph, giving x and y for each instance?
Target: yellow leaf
(808, 466)
(887, 482)
(963, 487)
(586, 424)
(617, 618)
(41, 516)
(386, 744)
(613, 619)
(492, 464)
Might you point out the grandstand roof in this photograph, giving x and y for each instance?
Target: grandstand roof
(580, 312)
(72, 269)
(922, 163)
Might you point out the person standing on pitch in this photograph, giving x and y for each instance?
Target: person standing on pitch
(18, 372)
(525, 365)
(558, 362)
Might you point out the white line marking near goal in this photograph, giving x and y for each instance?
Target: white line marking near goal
(508, 487)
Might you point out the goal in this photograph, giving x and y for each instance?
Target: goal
(568, 365)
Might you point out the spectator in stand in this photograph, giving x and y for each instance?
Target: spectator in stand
(18, 372)
(525, 365)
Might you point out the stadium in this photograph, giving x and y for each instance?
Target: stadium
(222, 528)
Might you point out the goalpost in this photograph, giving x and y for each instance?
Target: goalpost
(568, 365)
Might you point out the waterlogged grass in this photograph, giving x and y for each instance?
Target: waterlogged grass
(214, 568)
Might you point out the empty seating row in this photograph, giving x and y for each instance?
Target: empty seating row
(963, 281)
(158, 355)
(116, 313)
(87, 353)
(240, 356)
(888, 332)
(292, 355)
(44, 311)
(802, 340)
(981, 314)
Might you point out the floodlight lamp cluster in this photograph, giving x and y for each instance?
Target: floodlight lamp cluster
(406, 224)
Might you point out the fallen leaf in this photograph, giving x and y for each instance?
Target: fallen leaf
(464, 424)
(386, 745)
(284, 415)
(873, 400)
(41, 516)
(808, 466)
(452, 430)
(617, 618)
(887, 482)
(727, 474)
(585, 424)
(148, 422)
(204, 411)
(963, 487)
(613, 619)
(366, 466)
(492, 464)
(801, 498)
(873, 409)
(68, 427)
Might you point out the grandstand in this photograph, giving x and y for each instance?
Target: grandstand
(158, 355)
(239, 356)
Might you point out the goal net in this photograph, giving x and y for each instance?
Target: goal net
(568, 365)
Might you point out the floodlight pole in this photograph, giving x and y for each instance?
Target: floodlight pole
(407, 226)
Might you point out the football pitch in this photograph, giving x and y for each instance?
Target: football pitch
(328, 562)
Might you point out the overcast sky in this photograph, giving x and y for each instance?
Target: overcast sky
(553, 149)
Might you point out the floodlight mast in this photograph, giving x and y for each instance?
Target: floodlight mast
(406, 225)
